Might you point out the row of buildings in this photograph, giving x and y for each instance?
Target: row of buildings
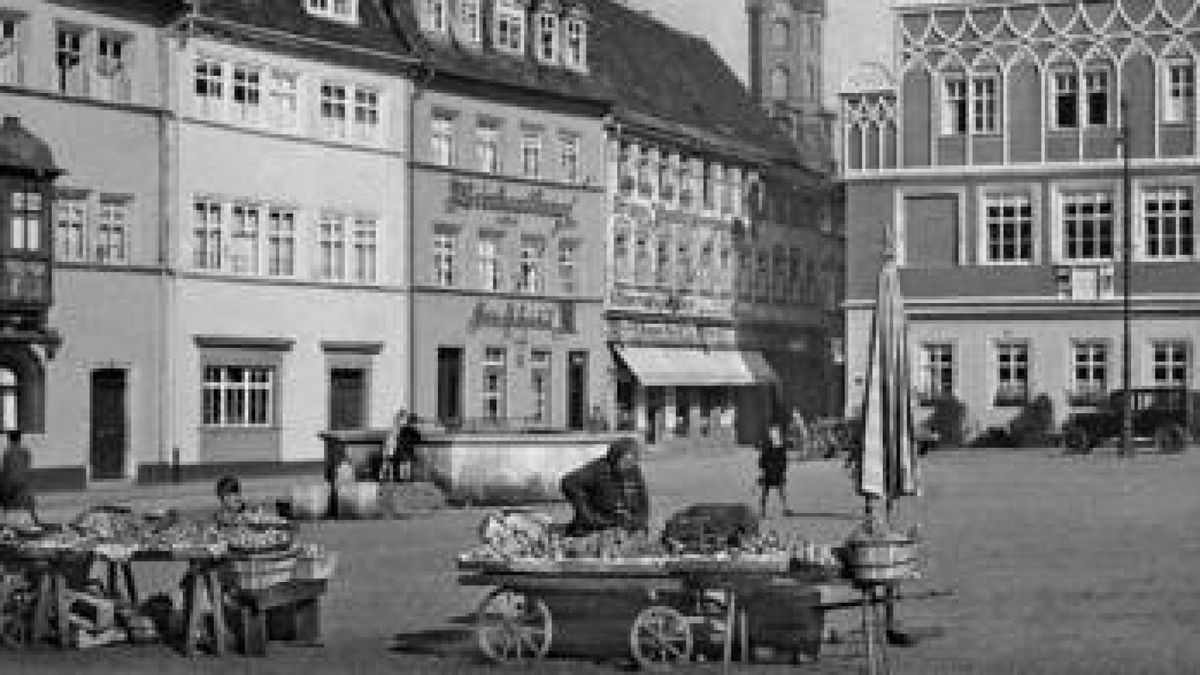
(996, 146)
(272, 218)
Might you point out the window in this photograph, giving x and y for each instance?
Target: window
(366, 114)
(490, 270)
(333, 110)
(243, 238)
(937, 371)
(284, 102)
(683, 264)
(547, 49)
(445, 245)
(1009, 222)
(1012, 373)
(68, 60)
(1180, 104)
(1170, 363)
(1096, 87)
(1167, 213)
(762, 276)
(364, 243)
(112, 68)
(984, 104)
(70, 229)
(644, 187)
(531, 274)
(209, 81)
(435, 16)
(11, 56)
(780, 86)
(576, 52)
(494, 376)
(539, 384)
(622, 260)
(780, 34)
(238, 396)
(779, 266)
(1087, 226)
(795, 279)
(487, 147)
(745, 275)
(26, 221)
(1089, 373)
(568, 254)
(643, 262)
(531, 155)
(469, 21)
(954, 106)
(510, 26)
(247, 93)
(281, 242)
(570, 158)
(662, 262)
(207, 239)
(1066, 99)
(339, 10)
(442, 140)
(331, 248)
(708, 187)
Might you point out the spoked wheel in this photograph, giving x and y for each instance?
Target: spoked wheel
(512, 626)
(660, 638)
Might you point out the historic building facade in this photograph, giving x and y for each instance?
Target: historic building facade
(508, 217)
(996, 155)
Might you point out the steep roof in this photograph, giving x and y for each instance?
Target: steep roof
(374, 36)
(676, 83)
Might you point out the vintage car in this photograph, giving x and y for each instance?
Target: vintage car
(1162, 415)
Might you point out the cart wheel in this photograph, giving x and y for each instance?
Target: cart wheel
(660, 637)
(512, 626)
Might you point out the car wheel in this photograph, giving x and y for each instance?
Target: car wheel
(1076, 440)
(1169, 438)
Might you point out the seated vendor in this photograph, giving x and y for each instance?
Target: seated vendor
(229, 494)
(608, 492)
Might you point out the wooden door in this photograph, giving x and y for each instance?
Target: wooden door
(109, 424)
(347, 398)
(449, 385)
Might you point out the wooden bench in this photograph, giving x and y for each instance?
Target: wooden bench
(287, 611)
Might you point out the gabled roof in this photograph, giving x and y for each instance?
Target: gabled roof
(662, 78)
(373, 37)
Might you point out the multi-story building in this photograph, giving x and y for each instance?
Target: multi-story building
(996, 156)
(508, 215)
(715, 243)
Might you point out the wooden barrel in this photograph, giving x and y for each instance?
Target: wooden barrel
(310, 502)
(358, 500)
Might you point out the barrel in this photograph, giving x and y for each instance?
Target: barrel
(358, 500)
(310, 502)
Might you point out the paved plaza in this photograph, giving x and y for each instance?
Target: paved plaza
(1058, 565)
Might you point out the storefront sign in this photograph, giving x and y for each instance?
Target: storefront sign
(467, 196)
(553, 317)
(629, 331)
(669, 303)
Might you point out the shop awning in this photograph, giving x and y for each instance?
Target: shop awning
(683, 367)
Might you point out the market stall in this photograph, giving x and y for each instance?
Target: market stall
(75, 584)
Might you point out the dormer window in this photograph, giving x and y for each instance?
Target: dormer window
(547, 47)
(576, 48)
(338, 10)
(510, 26)
(469, 21)
(435, 16)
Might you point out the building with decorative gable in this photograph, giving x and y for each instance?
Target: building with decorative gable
(994, 146)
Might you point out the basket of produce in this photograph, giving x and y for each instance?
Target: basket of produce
(257, 572)
(313, 562)
(255, 540)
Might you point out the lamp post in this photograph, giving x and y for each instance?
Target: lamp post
(1127, 266)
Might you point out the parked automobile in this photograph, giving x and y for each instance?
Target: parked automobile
(1162, 415)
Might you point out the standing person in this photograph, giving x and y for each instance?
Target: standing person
(609, 492)
(406, 438)
(773, 461)
(16, 495)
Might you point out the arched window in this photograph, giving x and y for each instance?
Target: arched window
(780, 34)
(8, 399)
(779, 82)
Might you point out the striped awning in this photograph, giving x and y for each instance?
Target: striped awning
(688, 367)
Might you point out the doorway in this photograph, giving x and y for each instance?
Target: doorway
(347, 398)
(449, 385)
(109, 424)
(577, 390)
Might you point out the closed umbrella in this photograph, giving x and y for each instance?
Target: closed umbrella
(888, 467)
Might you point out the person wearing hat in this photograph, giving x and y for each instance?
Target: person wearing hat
(608, 493)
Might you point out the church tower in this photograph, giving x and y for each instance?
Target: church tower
(786, 73)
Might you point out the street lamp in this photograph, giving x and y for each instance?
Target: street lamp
(1127, 266)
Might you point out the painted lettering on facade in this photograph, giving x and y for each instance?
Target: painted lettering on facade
(467, 196)
(552, 317)
(666, 302)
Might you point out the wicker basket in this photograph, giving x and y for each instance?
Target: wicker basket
(882, 559)
(254, 573)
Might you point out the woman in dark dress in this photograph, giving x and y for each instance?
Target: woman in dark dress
(773, 461)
